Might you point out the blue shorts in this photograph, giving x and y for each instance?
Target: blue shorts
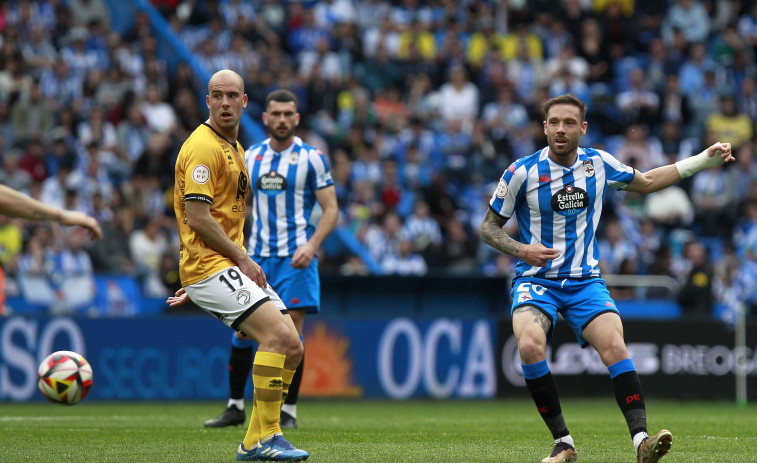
(299, 288)
(578, 301)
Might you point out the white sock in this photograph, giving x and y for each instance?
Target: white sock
(239, 403)
(290, 410)
(637, 438)
(567, 440)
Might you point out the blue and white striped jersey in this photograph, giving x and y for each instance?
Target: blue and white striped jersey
(283, 185)
(560, 207)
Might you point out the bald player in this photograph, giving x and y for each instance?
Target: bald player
(216, 271)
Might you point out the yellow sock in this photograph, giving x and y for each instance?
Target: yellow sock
(253, 428)
(267, 380)
(286, 376)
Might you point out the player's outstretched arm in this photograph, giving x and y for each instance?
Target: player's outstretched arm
(15, 204)
(535, 254)
(662, 177)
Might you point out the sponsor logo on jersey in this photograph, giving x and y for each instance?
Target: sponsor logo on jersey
(242, 186)
(502, 189)
(272, 183)
(201, 174)
(570, 201)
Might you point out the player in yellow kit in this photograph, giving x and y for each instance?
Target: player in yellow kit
(216, 272)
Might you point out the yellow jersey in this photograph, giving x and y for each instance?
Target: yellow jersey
(209, 168)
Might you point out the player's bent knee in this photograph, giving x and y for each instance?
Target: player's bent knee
(531, 351)
(296, 349)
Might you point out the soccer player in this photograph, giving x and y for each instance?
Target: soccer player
(216, 272)
(556, 195)
(287, 178)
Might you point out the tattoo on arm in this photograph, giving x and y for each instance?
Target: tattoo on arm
(493, 235)
(539, 317)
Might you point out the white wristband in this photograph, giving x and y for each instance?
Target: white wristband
(690, 166)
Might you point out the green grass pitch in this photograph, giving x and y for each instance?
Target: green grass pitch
(371, 431)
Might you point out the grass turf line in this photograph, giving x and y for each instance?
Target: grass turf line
(371, 431)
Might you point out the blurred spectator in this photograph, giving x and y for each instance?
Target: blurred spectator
(614, 247)
(423, 231)
(715, 203)
(460, 99)
(696, 294)
(593, 48)
(14, 83)
(639, 104)
(132, 133)
(86, 12)
(674, 105)
(109, 255)
(11, 244)
(638, 150)
(405, 262)
(12, 175)
(670, 208)
(747, 25)
(33, 161)
(147, 246)
(459, 249)
(60, 85)
(31, 116)
(80, 59)
(689, 16)
(383, 241)
(730, 124)
(159, 115)
(39, 52)
(75, 267)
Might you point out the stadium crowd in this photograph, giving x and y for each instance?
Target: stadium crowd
(414, 103)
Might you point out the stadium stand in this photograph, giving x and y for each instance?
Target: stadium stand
(413, 103)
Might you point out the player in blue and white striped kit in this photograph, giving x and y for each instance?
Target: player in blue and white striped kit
(287, 179)
(556, 196)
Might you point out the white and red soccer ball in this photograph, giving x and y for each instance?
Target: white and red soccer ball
(64, 377)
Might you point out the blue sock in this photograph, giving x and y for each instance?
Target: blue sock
(621, 367)
(241, 343)
(535, 370)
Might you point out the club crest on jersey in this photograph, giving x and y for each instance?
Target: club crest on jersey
(588, 168)
(502, 189)
(201, 174)
(272, 183)
(294, 158)
(570, 200)
(524, 296)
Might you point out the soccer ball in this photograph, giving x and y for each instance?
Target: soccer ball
(64, 377)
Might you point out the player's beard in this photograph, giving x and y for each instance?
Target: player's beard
(279, 136)
(564, 151)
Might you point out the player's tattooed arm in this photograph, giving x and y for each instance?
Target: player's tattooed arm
(539, 317)
(535, 254)
(493, 235)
